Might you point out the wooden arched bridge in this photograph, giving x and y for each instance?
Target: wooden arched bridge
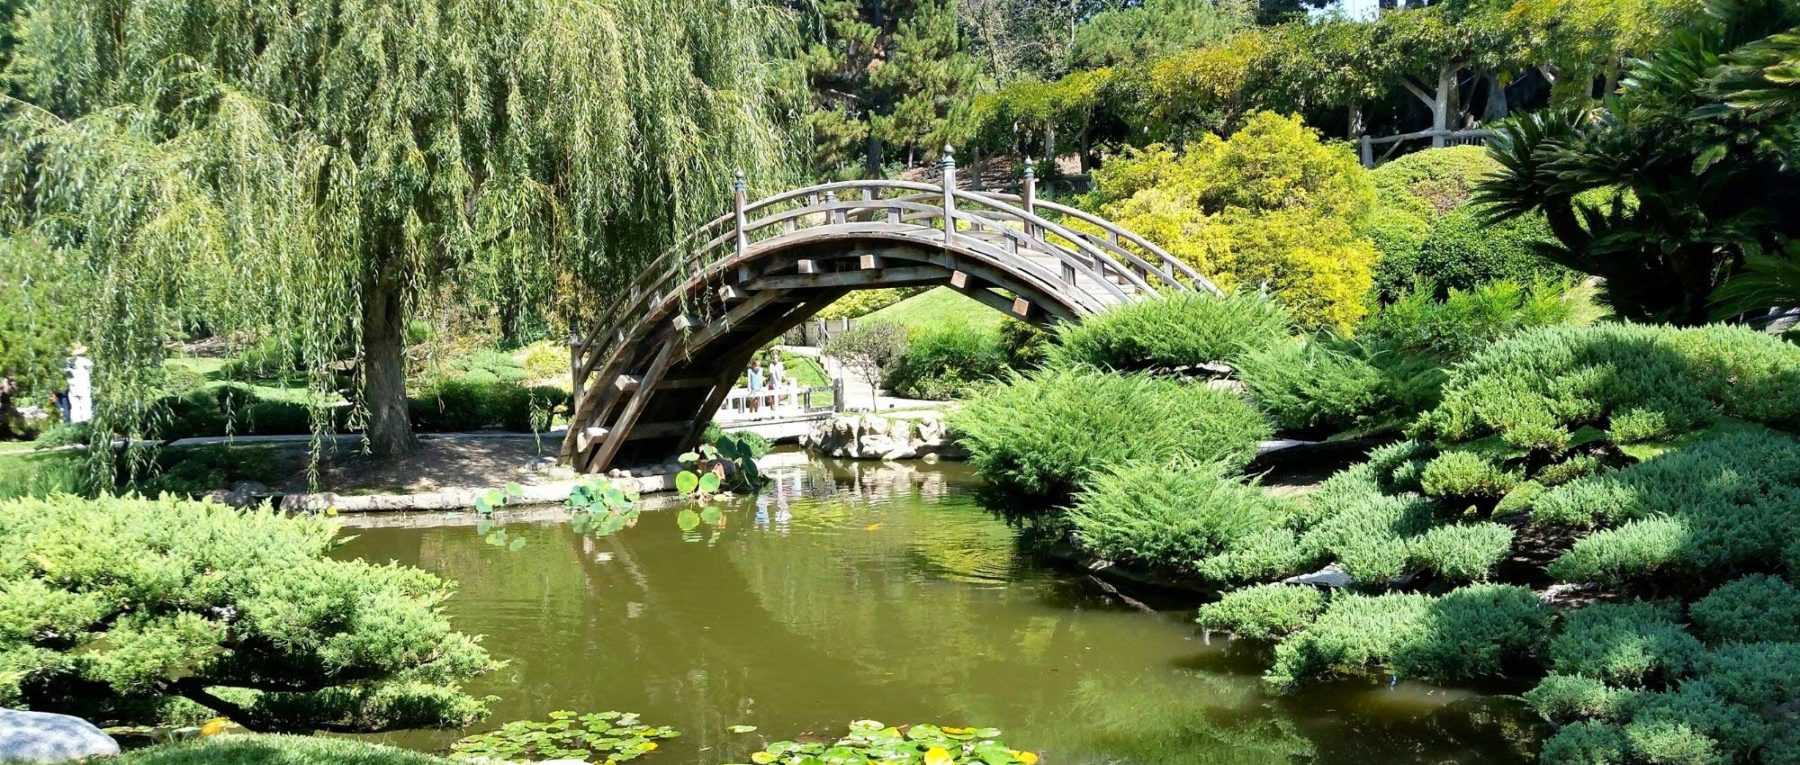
(670, 352)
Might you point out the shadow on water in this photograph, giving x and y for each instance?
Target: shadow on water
(855, 591)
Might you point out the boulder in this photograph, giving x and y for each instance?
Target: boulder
(1333, 576)
(873, 436)
(42, 737)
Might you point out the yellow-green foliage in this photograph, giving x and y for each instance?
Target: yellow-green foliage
(111, 607)
(1172, 330)
(1203, 89)
(864, 302)
(1272, 206)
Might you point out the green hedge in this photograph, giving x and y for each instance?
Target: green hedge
(1042, 435)
(946, 362)
(1536, 389)
(1184, 517)
(1309, 388)
(109, 606)
(1464, 250)
(1473, 632)
(1723, 506)
(1754, 608)
(1171, 330)
(1264, 612)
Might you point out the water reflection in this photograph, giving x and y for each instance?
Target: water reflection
(856, 590)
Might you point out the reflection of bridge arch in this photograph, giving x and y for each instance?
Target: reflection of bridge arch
(669, 352)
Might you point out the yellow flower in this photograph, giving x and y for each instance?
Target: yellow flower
(1029, 758)
(937, 756)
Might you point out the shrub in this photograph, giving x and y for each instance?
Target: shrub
(1397, 233)
(1751, 609)
(1433, 182)
(464, 404)
(1273, 205)
(946, 362)
(1465, 475)
(1475, 631)
(1625, 643)
(1570, 469)
(545, 360)
(1534, 389)
(1567, 698)
(1024, 345)
(1586, 743)
(1040, 435)
(1307, 387)
(1464, 321)
(1183, 516)
(112, 607)
(1368, 536)
(1465, 250)
(1264, 612)
(1463, 553)
(869, 347)
(1169, 331)
(1720, 506)
(864, 302)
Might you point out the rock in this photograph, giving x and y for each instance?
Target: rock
(873, 436)
(1333, 576)
(41, 737)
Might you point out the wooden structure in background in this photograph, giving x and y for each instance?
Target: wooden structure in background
(663, 359)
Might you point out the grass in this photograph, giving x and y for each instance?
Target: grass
(275, 750)
(936, 307)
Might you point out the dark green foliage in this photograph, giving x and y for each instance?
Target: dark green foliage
(1537, 388)
(1567, 698)
(111, 607)
(235, 409)
(1264, 612)
(1308, 387)
(1576, 466)
(946, 362)
(1041, 435)
(1723, 505)
(1466, 476)
(1464, 250)
(1186, 517)
(1464, 553)
(41, 295)
(1433, 182)
(1463, 321)
(275, 750)
(1695, 154)
(1398, 234)
(1751, 609)
(1368, 535)
(1476, 631)
(1026, 347)
(1632, 643)
(1586, 743)
(1172, 330)
(465, 404)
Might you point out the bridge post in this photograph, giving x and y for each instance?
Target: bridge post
(948, 165)
(739, 192)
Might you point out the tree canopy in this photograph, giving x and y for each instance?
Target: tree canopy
(307, 171)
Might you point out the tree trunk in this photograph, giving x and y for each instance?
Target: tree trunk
(1443, 105)
(384, 366)
(872, 155)
(1353, 125)
(1496, 108)
(1087, 148)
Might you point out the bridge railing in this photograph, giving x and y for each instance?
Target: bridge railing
(1084, 248)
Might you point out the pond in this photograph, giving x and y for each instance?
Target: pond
(886, 592)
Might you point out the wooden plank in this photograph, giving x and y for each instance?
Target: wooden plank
(634, 407)
(629, 383)
(730, 294)
(684, 322)
(806, 266)
(732, 318)
(959, 280)
(868, 262)
(885, 277)
(1021, 307)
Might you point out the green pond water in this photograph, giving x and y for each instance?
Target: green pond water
(853, 592)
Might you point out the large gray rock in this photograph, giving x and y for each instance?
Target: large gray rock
(41, 737)
(872, 437)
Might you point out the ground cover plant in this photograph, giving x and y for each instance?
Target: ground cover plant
(1041, 435)
(127, 610)
(1184, 517)
(946, 362)
(275, 750)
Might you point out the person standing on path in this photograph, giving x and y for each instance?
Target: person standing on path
(80, 371)
(756, 383)
(777, 380)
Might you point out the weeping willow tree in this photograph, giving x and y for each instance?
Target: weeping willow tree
(309, 170)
